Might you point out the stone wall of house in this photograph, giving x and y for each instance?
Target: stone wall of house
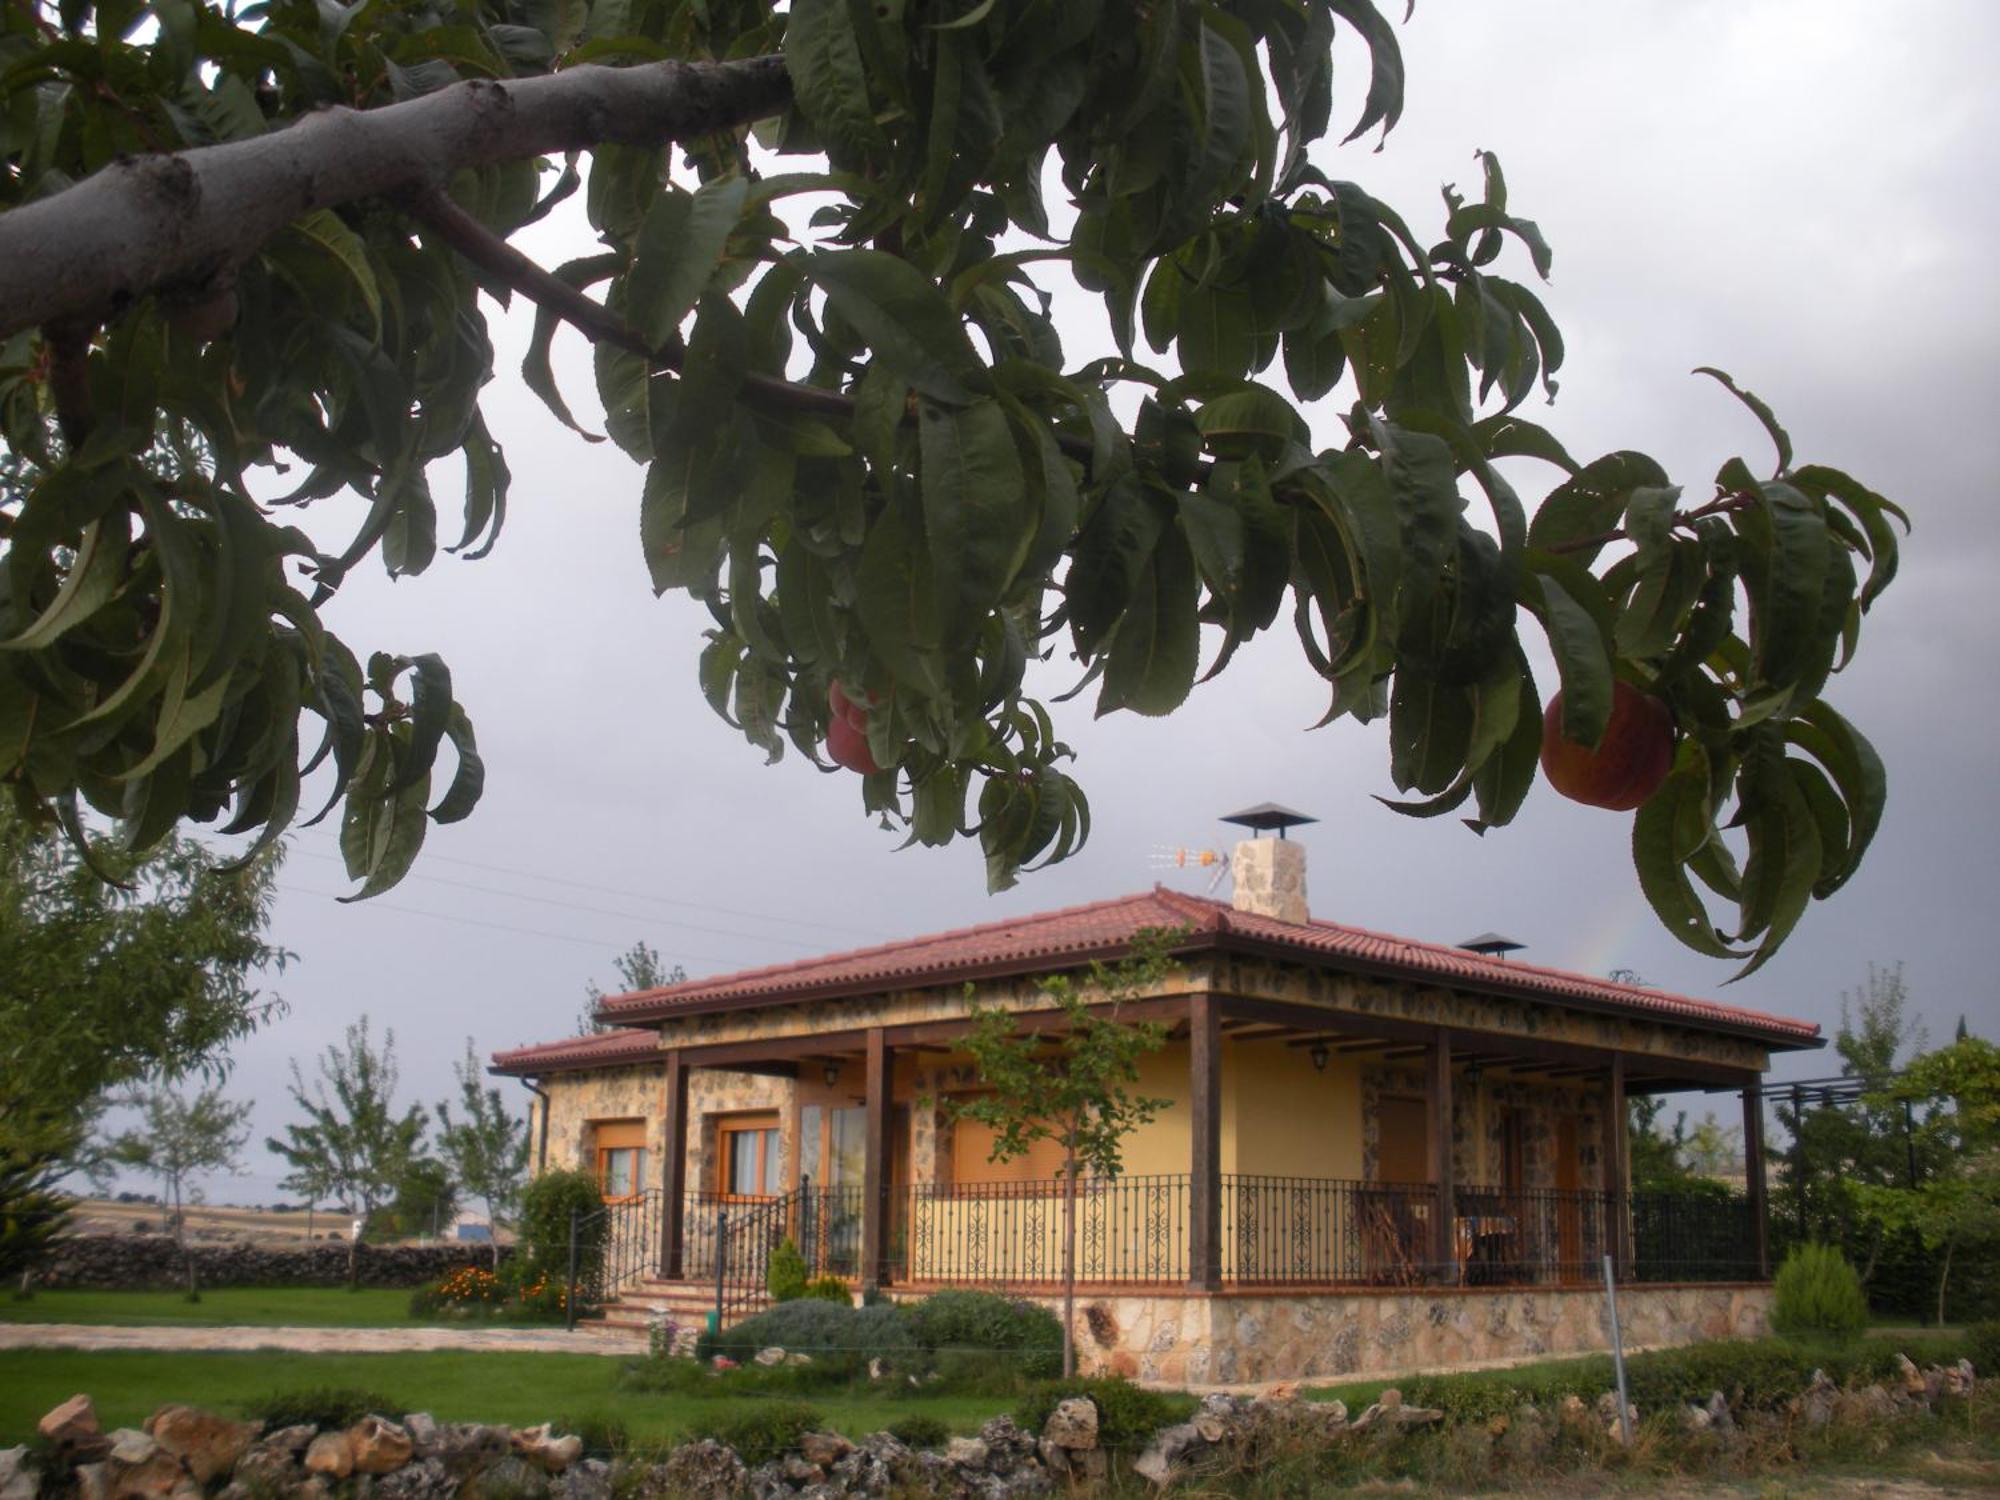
(1228, 1339)
(153, 1262)
(578, 1100)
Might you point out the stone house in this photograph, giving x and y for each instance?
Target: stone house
(1379, 1153)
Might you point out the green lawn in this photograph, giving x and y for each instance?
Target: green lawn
(515, 1388)
(260, 1307)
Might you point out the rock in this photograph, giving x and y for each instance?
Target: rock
(1571, 1409)
(508, 1478)
(1167, 1456)
(93, 1481)
(1719, 1416)
(797, 1357)
(467, 1447)
(1959, 1379)
(291, 1440)
(269, 1468)
(722, 1362)
(332, 1454)
(17, 1480)
(380, 1446)
(966, 1453)
(1696, 1419)
(1912, 1377)
(1390, 1399)
(587, 1479)
(209, 1445)
(541, 1447)
(1007, 1447)
(876, 1368)
(702, 1470)
(421, 1479)
(132, 1447)
(824, 1448)
(72, 1429)
(424, 1432)
(771, 1356)
(1284, 1390)
(1072, 1425)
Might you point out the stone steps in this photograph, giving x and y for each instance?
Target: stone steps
(688, 1303)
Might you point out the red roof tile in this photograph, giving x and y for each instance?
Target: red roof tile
(606, 1049)
(1102, 929)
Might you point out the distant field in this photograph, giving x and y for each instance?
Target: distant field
(208, 1224)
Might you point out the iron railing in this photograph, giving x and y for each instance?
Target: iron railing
(1128, 1229)
(1530, 1236)
(1700, 1236)
(1278, 1230)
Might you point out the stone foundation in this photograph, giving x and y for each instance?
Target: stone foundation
(1239, 1338)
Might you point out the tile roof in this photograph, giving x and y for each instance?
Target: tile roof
(602, 1050)
(1103, 929)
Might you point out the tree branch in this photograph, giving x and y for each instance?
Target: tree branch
(189, 217)
(69, 378)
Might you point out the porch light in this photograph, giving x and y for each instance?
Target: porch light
(831, 1073)
(1318, 1056)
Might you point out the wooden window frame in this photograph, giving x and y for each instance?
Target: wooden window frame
(769, 1127)
(609, 1136)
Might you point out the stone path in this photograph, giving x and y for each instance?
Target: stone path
(321, 1340)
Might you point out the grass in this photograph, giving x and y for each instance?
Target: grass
(128, 1385)
(255, 1307)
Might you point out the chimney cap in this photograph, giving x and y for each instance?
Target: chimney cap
(1267, 816)
(1493, 944)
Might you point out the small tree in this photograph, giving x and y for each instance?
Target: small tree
(486, 1147)
(354, 1146)
(639, 968)
(1955, 1206)
(1073, 1089)
(426, 1197)
(177, 1137)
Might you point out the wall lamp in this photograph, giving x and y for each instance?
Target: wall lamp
(1318, 1056)
(831, 1073)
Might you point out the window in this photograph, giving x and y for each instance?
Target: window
(747, 1158)
(621, 1158)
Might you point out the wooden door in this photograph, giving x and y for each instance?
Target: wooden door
(1569, 1205)
(1403, 1139)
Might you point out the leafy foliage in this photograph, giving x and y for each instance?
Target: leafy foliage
(828, 1288)
(785, 1273)
(548, 1204)
(177, 1137)
(1127, 1414)
(34, 1216)
(485, 1147)
(639, 968)
(354, 1146)
(763, 1430)
(1817, 1292)
(983, 1323)
(319, 1406)
(867, 450)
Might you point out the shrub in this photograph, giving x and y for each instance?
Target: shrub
(983, 1322)
(1817, 1292)
(1127, 1414)
(474, 1292)
(546, 1205)
(830, 1289)
(1983, 1347)
(602, 1436)
(920, 1431)
(841, 1337)
(321, 1406)
(785, 1274)
(763, 1431)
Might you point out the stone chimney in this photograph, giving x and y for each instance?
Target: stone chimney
(1270, 872)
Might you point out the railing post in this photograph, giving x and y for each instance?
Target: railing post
(1205, 1153)
(1754, 1182)
(879, 1073)
(1444, 1221)
(673, 1170)
(1614, 1160)
(569, 1301)
(721, 1258)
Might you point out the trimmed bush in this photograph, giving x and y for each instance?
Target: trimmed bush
(1127, 1414)
(982, 1323)
(762, 1431)
(785, 1273)
(321, 1406)
(546, 1205)
(830, 1289)
(836, 1335)
(1817, 1292)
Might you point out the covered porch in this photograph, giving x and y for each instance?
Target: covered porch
(869, 1192)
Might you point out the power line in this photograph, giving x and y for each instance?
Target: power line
(600, 911)
(438, 916)
(845, 931)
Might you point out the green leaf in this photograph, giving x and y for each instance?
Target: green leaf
(1858, 773)
(1581, 658)
(1152, 656)
(1384, 104)
(469, 781)
(824, 61)
(1592, 503)
(905, 319)
(535, 368)
(896, 596)
(1659, 859)
(976, 517)
(1780, 439)
(325, 230)
(680, 244)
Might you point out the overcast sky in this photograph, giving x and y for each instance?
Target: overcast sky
(1798, 191)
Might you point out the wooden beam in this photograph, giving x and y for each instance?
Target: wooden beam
(1443, 1217)
(1753, 1177)
(875, 1165)
(1205, 1142)
(673, 1165)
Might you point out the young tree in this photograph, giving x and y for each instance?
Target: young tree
(426, 1197)
(486, 1146)
(176, 1137)
(267, 245)
(1073, 1088)
(639, 968)
(354, 1145)
(1955, 1206)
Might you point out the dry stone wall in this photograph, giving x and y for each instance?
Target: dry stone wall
(139, 1262)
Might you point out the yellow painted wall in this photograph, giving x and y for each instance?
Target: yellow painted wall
(1283, 1118)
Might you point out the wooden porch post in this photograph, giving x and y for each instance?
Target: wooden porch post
(875, 1185)
(1204, 1142)
(673, 1168)
(1444, 1216)
(1615, 1154)
(1753, 1178)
